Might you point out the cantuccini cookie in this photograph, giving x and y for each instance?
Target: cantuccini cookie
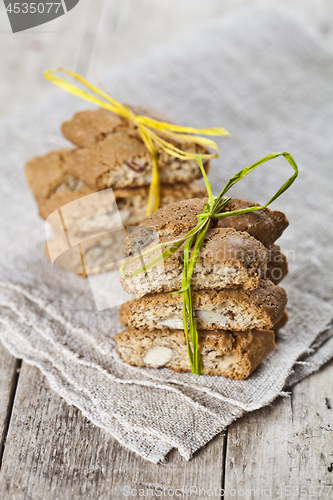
(228, 259)
(234, 307)
(112, 153)
(142, 236)
(265, 225)
(53, 187)
(89, 126)
(122, 160)
(228, 309)
(93, 125)
(228, 354)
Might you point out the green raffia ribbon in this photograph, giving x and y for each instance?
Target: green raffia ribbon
(194, 240)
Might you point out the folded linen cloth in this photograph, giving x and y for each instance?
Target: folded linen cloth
(263, 77)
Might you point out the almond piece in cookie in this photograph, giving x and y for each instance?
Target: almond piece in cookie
(229, 354)
(157, 356)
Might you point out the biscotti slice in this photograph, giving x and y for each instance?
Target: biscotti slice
(87, 127)
(265, 225)
(53, 187)
(124, 320)
(122, 160)
(142, 236)
(112, 153)
(228, 354)
(228, 259)
(228, 309)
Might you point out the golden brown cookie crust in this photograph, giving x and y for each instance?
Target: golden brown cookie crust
(93, 125)
(228, 259)
(229, 354)
(122, 160)
(233, 309)
(87, 127)
(265, 225)
(112, 153)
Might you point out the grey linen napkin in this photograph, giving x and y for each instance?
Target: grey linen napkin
(269, 82)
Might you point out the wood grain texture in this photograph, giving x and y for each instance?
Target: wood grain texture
(8, 378)
(287, 444)
(53, 452)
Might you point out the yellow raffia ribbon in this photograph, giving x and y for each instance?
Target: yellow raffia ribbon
(145, 126)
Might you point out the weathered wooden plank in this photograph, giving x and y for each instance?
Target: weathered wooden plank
(54, 452)
(8, 379)
(289, 444)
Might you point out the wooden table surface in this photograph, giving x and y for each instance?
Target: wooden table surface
(48, 450)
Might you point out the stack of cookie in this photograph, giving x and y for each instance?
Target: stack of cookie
(109, 153)
(236, 301)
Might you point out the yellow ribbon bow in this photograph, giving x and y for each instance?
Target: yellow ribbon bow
(145, 126)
